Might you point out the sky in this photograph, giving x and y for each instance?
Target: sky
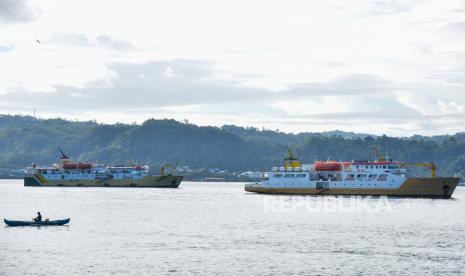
(380, 67)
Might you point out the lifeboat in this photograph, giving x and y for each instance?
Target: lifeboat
(84, 166)
(328, 166)
(78, 166)
(70, 166)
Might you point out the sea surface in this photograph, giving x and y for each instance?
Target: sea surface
(218, 229)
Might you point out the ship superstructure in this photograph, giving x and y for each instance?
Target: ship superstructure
(379, 177)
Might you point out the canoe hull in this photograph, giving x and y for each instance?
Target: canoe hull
(38, 223)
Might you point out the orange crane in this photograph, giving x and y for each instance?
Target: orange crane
(378, 154)
(429, 165)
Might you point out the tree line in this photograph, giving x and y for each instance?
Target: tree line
(24, 139)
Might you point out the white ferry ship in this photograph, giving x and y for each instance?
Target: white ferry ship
(70, 173)
(380, 177)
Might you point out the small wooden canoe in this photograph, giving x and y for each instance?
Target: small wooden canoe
(36, 223)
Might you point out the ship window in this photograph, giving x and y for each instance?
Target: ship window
(360, 176)
(372, 176)
(350, 177)
(371, 167)
(384, 167)
(277, 175)
(357, 167)
(288, 175)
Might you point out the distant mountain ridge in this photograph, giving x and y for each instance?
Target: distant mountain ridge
(287, 138)
(24, 139)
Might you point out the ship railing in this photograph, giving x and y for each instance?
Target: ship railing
(399, 171)
(283, 169)
(252, 185)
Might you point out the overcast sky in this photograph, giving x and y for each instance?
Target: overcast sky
(394, 67)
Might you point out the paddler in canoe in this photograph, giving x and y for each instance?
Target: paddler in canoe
(38, 218)
(46, 222)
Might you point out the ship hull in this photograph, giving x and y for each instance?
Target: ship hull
(438, 187)
(167, 181)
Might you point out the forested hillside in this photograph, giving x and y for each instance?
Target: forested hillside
(24, 140)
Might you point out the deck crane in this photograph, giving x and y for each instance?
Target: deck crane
(378, 154)
(291, 162)
(290, 155)
(429, 165)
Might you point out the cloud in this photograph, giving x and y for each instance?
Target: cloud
(17, 11)
(249, 51)
(114, 43)
(163, 83)
(457, 26)
(349, 84)
(198, 89)
(6, 47)
(69, 39)
(182, 82)
(374, 66)
(455, 30)
(334, 63)
(389, 7)
(202, 92)
(83, 40)
(460, 9)
(377, 7)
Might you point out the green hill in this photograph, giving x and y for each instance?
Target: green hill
(24, 139)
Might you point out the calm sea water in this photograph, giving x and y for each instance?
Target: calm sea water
(219, 229)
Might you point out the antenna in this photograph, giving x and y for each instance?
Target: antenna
(34, 112)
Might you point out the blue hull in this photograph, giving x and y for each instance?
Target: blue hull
(36, 223)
